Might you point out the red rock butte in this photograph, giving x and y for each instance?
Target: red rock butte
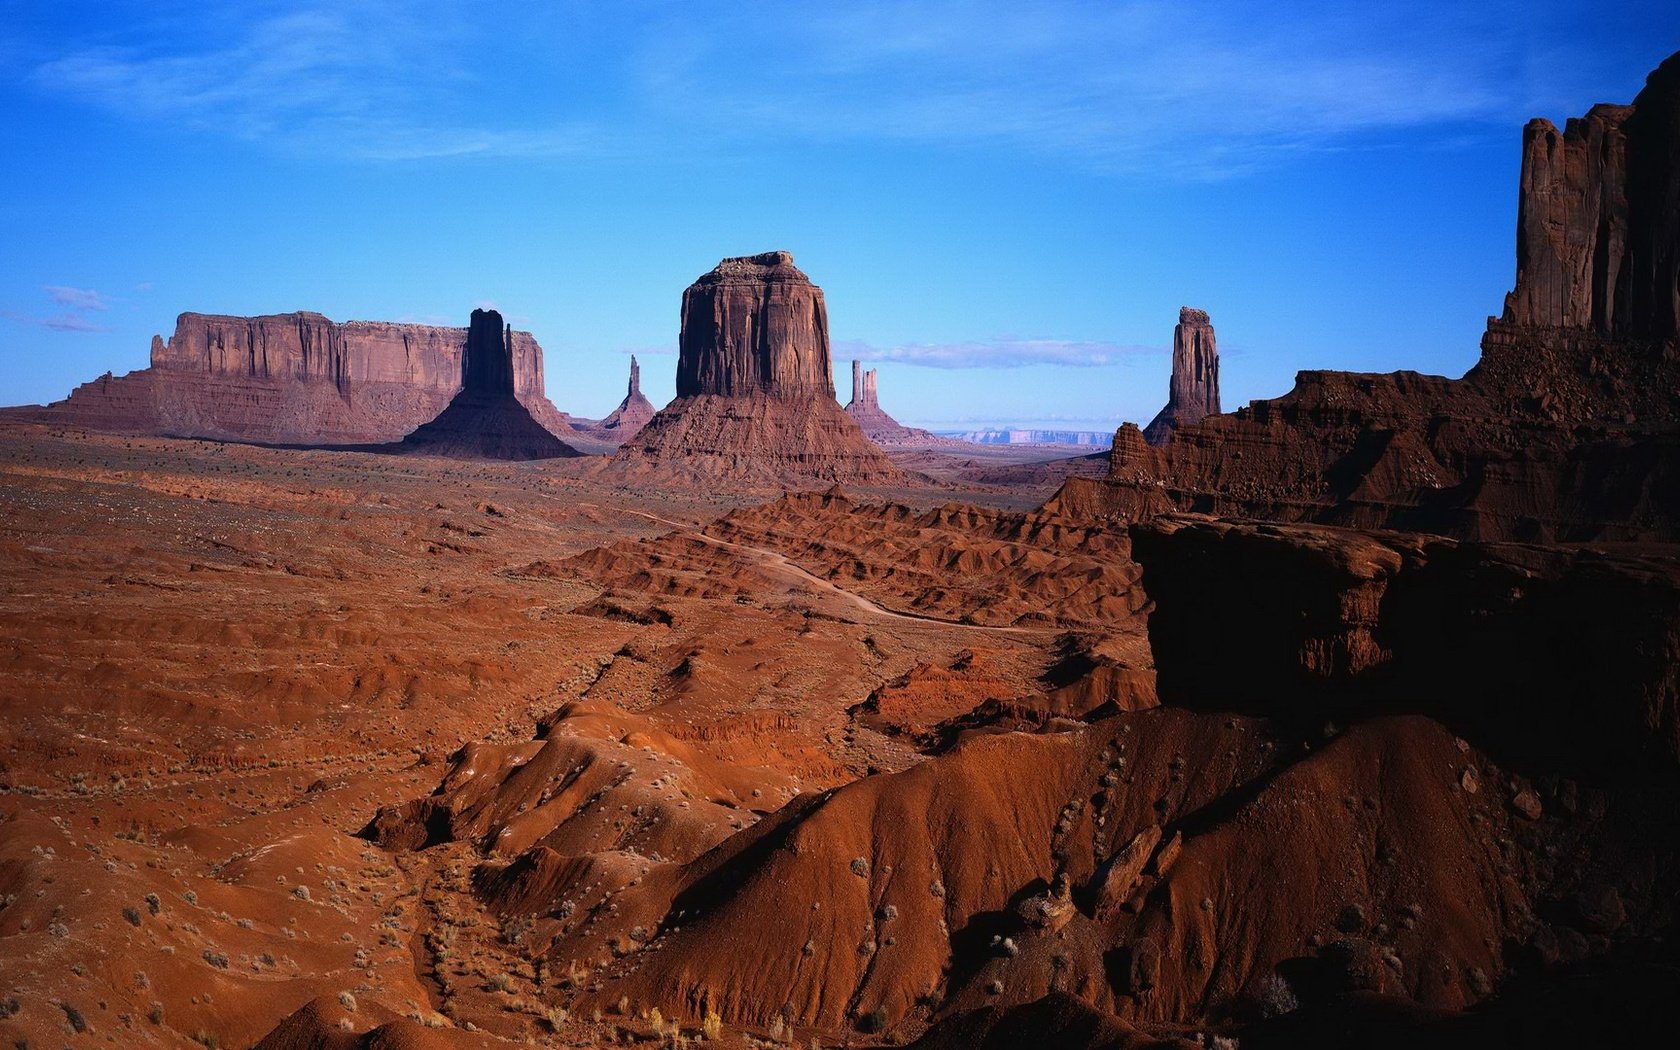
(295, 378)
(755, 388)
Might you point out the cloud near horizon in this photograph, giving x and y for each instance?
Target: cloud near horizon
(998, 353)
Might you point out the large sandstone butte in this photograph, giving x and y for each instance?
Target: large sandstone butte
(485, 420)
(295, 378)
(865, 408)
(1568, 428)
(1193, 392)
(755, 387)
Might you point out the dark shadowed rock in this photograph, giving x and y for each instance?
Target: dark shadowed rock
(485, 420)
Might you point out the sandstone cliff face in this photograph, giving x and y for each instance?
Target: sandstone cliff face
(485, 420)
(295, 378)
(1193, 393)
(755, 393)
(754, 325)
(1599, 218)
(1568, 428)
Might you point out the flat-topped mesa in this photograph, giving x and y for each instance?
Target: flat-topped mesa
(1598, 218)
(295, 378)
(1193, 392)
(754, 325)
(485, 420)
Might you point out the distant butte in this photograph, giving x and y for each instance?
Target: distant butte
(295, 378)
(884, 430)
(633, 413)
(755, 389)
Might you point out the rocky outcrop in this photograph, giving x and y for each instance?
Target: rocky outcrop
(1598, 220)
(1557, 657)
(755, 391)
(1193, 392)
(865, 410)
(1568, 428)
(485, 420)
(296, 378)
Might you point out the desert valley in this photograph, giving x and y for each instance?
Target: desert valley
(355, 694)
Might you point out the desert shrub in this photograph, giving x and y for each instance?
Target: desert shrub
(348, 1001)
(132, 914)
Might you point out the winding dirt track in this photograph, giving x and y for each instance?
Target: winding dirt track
(780, 564)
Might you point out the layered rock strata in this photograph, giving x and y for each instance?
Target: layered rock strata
(485, 420)
(1568, 428)
(755, 389)
(294, 378)
(1193, 392)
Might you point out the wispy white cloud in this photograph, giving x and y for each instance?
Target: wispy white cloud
(66, 322)
(1192, 88)
(997, 353)
(77, 298)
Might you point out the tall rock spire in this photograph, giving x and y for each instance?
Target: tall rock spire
(1193, 392)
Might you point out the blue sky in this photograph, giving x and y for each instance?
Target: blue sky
(1004, 203)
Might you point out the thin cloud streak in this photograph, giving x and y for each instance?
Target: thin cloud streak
(77, 298)
(57, 323)
(1184, 90)
(998, 353)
